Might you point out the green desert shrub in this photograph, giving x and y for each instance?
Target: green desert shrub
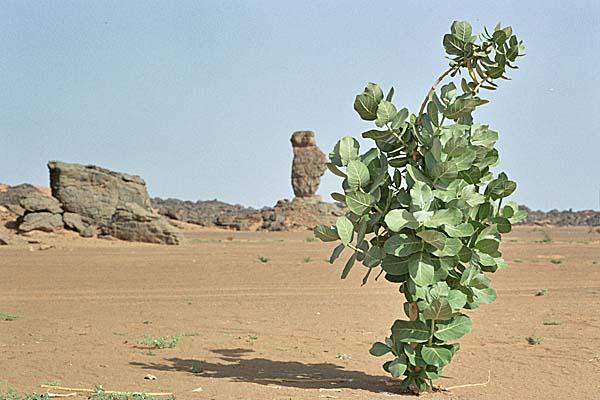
(425, 207)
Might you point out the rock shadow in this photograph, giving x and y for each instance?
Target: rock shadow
(237, 367)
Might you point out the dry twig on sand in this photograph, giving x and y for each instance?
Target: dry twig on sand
(471, 384)
(68, 389)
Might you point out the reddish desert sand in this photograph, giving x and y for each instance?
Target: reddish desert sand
(288, 328)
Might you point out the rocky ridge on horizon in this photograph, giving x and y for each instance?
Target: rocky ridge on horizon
(561, 218)
(302, 213)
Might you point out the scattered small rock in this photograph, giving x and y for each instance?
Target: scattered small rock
(4, 239)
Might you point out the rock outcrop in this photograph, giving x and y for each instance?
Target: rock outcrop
(94, 192)
(308, 165)
(117, 204)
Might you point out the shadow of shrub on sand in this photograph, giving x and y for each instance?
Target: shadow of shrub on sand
(263, 371)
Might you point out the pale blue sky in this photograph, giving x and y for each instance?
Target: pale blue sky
(200, 98)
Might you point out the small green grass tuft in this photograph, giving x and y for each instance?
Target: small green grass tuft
(249, 338)
(308, 259)
(13, 394)
(556, 261)
(541, 292)
(263, 259)
(183, 334)
(161, 342)
(533, 340)
(196, 368)
(7, 317)
(198, 240)
(343, 356)
(311, 239)
(552, 322)
(546, 238)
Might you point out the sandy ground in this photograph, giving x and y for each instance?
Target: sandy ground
(281, 329)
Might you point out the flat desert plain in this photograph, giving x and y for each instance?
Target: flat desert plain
(287, 328)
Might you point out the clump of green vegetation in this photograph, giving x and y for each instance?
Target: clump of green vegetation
(13, 394)
(196, 369)
(161, 342)
(308, 259)
(541, 292)
(518, 260)
(249, 338)
(149, 353)
(311, 239)
(343, 356)
(546, 238)
(264, 259)
(101, 394)
(533, 340)
(553, 322)
(7, 317)
(556, 261)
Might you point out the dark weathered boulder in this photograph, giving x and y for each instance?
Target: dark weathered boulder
(116, 203)
(37, 201)
(134, 223)
(308, 165)
(41, 221)
(94, 192)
